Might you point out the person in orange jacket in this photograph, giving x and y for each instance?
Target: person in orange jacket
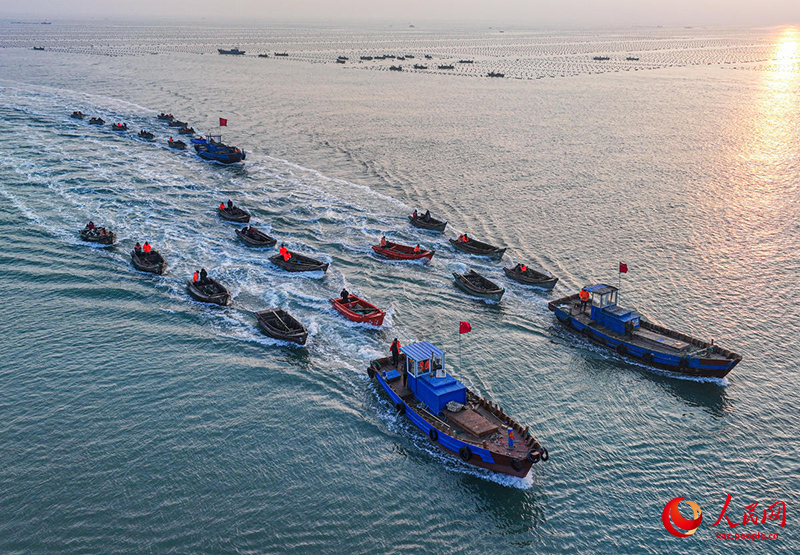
(196, 276)
(584, 297)
(222, 206)
(395, 348)
(147, 248)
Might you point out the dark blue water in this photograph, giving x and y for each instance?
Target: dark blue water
(135, 420)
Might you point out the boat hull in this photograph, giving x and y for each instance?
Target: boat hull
(433, 225)
(483, 249)
(305, 264)
(237, 215)
(269, 323)
(157, 266)
(479, 456)
(107, 239)
(221, 298)
(261, 239)
(400, 255)
(686, 365)
(469, 288)
(374, 318)
(543, 282)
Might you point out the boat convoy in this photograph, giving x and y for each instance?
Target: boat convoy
(456, 419)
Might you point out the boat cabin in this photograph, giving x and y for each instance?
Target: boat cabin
(427, 378)
(606, 312)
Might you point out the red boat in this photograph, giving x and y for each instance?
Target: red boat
(359, 310)
(401, 252)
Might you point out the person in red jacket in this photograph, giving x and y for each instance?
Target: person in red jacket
(195, 277)
(147, 248)
(395, 348)
(222, 206)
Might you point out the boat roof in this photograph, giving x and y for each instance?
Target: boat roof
(421, 351)
(600, 288)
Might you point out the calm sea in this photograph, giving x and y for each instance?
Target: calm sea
(135, 420)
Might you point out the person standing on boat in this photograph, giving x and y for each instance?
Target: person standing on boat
(584, 297)
(395, 348)
(417, 248)
(195, 277)
(147, 248)
(137, 248)
(383, 241)
(90, 225)
(345, 296)
(222, 206)
(230, 204)
(203, 276)
(414, 215)
(427, 216)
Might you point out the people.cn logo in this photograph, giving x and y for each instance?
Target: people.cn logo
(675, 523)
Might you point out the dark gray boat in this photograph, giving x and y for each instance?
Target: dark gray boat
(258, 239)
(475, 284)
(98, 235)
(151, 262)
(177, 145)
(299, 263)
(177, 123)
(211, 291)
(234, 214)
(529, 276)
(431, 224)
(279, 324)
(471, 246)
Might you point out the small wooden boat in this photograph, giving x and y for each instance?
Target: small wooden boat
(210, 291)
(186, 131)
(475, 284)
(431, 224)
(279, 324)
(146, 135)
(282, 54)
(263, 55)
(471, 246)
(234, 214)
(340, 61)
(165, 117)
(97, 121)
(98, 235)
(177, 123)
(299, 263)
(396, 251)
(257, 239)
(359, 310)
(395, 68)
(495, 74)
(77, 115)
(119, 126)
(455, 418)
(629, 334)
(177, 145)
(529, 276)
(152, 262)
(446, 67)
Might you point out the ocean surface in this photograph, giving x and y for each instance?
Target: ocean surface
(135, 420)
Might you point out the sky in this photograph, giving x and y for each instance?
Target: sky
(401, 13)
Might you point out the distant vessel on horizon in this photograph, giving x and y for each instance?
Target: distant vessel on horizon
(231, 52)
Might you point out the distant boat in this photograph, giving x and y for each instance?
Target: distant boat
(409, 56)
(632, 59)
(343, 58)
(263, 55)
(495, 74)
(177, 145)
(465, 61)
(146, 135)
(282, 54)
(628, 333)
(119, 126)
(97, 121)
(340, 61)
(366, 58)
(420, 66)
(428, 56)
(186, 131)
(165, 117)
(38, 47)
(601, 58)
(231, 52)
(77, 115)
(177, 123)
(447, 67)
(214, 150)
(395, 68)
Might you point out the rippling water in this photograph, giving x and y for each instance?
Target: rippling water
(136, 420)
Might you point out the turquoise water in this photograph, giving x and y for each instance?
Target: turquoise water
(137, 420)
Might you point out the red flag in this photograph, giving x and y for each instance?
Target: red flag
(223, 122)
(464, 327)
(623, 268)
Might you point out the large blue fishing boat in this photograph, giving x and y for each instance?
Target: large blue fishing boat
(212, 148)
(453, 417)
(602, 320)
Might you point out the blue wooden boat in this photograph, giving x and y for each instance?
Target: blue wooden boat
(628, 333)
(212, 148)
(456, 419)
